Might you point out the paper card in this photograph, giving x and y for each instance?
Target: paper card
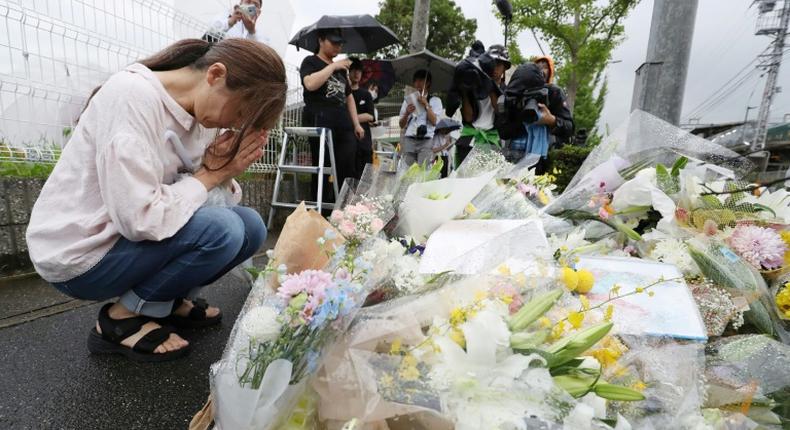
(671, 311)
(478, 246)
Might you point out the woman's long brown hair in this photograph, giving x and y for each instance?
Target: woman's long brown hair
(255, 73)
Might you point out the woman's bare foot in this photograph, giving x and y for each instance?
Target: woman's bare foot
(186, 306)
(173, 343)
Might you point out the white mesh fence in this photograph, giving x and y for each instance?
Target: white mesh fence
(54, 52)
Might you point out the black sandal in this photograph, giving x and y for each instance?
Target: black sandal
(115, 331)
(197, 317)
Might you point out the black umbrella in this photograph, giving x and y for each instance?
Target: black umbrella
(441, 69)
(362, 34)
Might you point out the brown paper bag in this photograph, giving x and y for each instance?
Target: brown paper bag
(298, 247)
(203, 419)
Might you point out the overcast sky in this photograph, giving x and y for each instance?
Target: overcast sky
(724, 42)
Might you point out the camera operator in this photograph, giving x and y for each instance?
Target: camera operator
(418, 117)
(239, 24)
(477, 86)
(532, 111)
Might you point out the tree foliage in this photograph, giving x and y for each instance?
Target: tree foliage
(450, 33)
(581, 35)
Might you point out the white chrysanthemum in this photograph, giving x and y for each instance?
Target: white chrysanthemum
(675, 252)
(261, 323)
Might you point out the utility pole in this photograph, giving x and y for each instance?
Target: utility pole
(419, 26)
(661, 79)
(768, 24)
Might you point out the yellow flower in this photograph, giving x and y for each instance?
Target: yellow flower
(586, 281)
(558, 330)
(615, 290)
(576, 319)
(639, 386)
(521, 280)
(651, 293)
(457, 317)
(785, 236)
(570, 278)
(640, 290)
(585, 302)
(544, 322)
(608, 313)
(503, 270)
(783, 301)
(395, 347)
(408, 369)
(457, 336)
(479, 297)
(543, 198)
(386, 380)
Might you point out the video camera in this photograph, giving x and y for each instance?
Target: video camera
(523, 107)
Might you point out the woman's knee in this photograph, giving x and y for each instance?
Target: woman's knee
(254, 227)
(218, 227)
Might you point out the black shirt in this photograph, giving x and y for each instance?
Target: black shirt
(364, 102)
(326, 106)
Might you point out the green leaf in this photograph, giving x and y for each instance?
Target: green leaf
(679, 165)
(666, 182)
(711, 202)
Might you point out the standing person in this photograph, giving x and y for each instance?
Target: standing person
(365, 115)
(329, 103)
(554, 119)
(240, 23)
(115, 220)
(442, 142)
(479, 115)
(418, 117)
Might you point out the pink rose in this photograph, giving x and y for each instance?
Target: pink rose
(337, 216)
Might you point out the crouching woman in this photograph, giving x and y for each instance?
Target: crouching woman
(117, 219)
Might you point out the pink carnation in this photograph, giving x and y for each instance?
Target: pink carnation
(762, 247)
(347, 228)
(312, 282)
(336, 216)
(376, 225)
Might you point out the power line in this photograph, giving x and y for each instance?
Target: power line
(726, 86)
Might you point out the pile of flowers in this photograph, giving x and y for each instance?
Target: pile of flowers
(541, 336)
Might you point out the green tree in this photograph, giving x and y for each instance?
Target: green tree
(450, 34)
(581, 35)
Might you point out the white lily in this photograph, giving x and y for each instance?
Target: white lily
(778, 201)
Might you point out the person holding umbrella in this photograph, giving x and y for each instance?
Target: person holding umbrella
(365, 116)
(329, 103)
(418, 117)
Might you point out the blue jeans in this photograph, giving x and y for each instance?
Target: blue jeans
(148, 275)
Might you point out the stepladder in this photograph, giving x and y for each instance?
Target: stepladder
(291, 164)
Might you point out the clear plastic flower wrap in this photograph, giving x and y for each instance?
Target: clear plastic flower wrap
(744, 372)
(725, 268)
(390, 367)
(277, 342)
(644, 141)
(671, 375)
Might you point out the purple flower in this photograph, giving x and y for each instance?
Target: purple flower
(762, 247)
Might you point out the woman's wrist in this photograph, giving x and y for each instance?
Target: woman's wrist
(209, 179)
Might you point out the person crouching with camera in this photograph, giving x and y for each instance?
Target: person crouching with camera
(418, 118)
(533, 111)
